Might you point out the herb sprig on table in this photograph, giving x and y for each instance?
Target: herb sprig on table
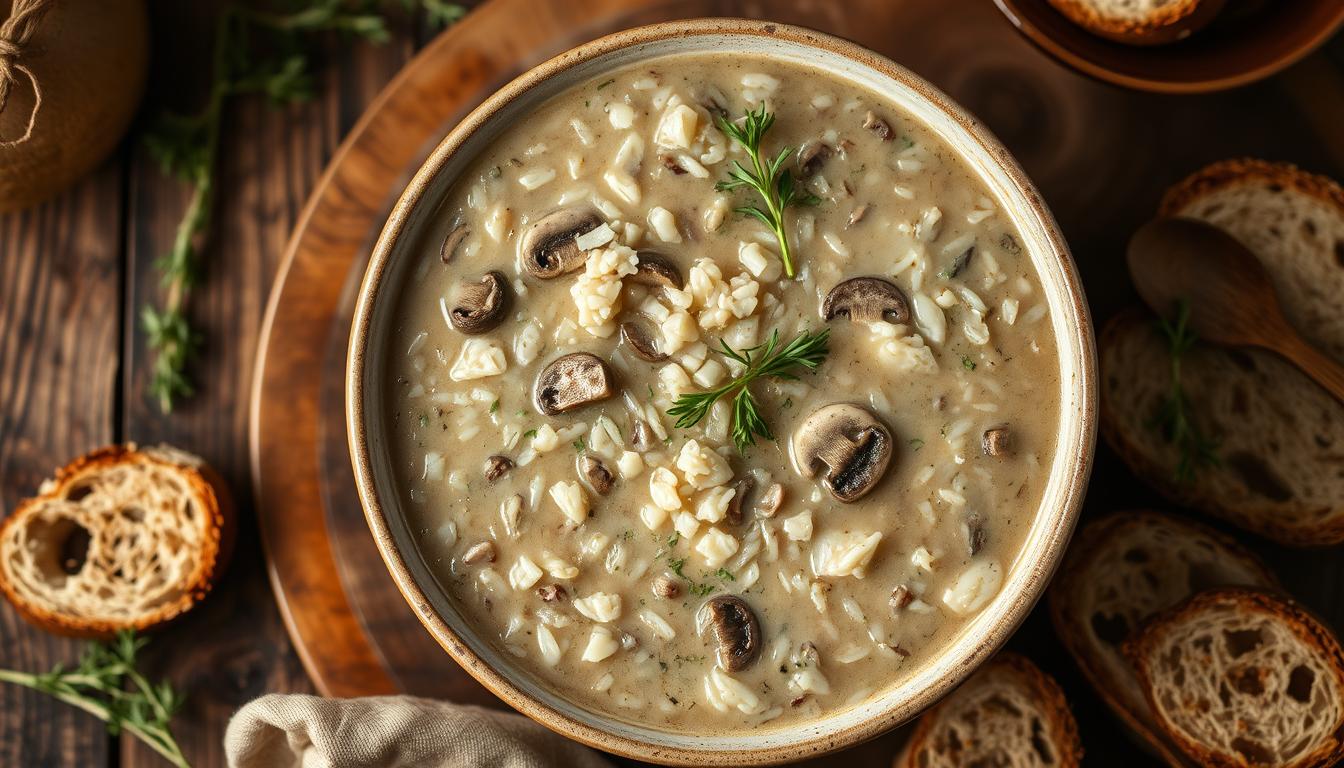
(107, 685)
(1193, 448)
(806, 351)
(255, 52)
(772, 181)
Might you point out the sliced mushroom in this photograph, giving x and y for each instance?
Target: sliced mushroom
(853, 445)
(974, 528)
(482, 552)
(551, 593)
(597, 474)
(878, 126)
(735, 629)
(571, 381)
(549, 249)
(811, 156)
(866, 300)
(655, 269)
(666, 587)
(496, 467)
(641, 436)
(740, 490)
(481, 305)
(901, 596)
(997, 441)
(770, 500)
(452, 241)
(959, 263)
(641, 343)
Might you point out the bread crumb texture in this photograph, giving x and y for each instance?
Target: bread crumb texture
(120, 538)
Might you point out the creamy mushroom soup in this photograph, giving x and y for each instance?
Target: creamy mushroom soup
(865, 425)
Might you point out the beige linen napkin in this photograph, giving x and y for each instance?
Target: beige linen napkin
(293, 731)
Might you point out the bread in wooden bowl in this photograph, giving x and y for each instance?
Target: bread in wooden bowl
(121, 538)
(1241, 677)
(1009, 713)
(1277, 437)
(1140, 22)
(1122, 569)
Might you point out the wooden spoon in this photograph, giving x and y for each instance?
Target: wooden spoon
(1231, 299)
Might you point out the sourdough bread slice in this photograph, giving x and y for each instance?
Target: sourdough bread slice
(1121, 570)
(1008, 714)
(1140, 22)
(1277, 436)
(121, 538)
(1239, 677)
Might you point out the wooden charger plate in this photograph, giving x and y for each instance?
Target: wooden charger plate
(1100, 156)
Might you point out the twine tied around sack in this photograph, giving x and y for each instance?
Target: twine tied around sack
(14, 34)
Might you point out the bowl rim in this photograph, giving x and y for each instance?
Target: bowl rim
(1036, 574)
(1065, 54)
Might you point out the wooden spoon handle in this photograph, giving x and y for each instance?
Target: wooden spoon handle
(1321, 368)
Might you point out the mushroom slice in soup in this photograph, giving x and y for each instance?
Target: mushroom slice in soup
(735, 629)
(866, 300)
(850, 442)
(550, 248)
(481, 304)
(571, 381)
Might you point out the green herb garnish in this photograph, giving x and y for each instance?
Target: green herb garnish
(916, 443)
(1193, 447)
(495, 405)
(967, 363)
(725, 575)
(530, 433)
(771, 180)
(700, 590)
(579, 445)
(107, 685)
(807, 350)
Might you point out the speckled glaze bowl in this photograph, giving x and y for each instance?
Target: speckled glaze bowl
(369, 431)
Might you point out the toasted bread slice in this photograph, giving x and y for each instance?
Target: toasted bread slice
(1140, 22)
(1121, 570)
(1009, 714)
(121, 538)
(1239, 677)
(1277, 436)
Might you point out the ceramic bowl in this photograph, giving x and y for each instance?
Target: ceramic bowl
(369, 439)
(1246, 42)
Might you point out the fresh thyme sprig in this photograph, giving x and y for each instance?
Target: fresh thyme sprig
(107, 685)
(1193, 447)
(771, 180)
(807, 350)
(255, 52)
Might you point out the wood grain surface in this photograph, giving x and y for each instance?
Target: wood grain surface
(74, 272)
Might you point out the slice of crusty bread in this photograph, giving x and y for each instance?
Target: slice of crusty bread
(121, 538)
(1140, 22)
(1007, 714)
(1121, 570)
(1238, 677)
(1278, 436)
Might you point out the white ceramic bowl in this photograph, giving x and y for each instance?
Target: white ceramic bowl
(1044, 544)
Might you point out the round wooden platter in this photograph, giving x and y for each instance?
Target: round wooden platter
(1101, 157)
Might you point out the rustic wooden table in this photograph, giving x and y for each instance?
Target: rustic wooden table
(74, 370)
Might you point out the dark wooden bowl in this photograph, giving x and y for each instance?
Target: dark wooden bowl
(1248, 41)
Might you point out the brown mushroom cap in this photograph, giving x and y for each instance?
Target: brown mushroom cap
(571, 381)
(597, 474)
(481, 305)
(735, 628)
(548, 245)
(853, 445)
(811, 156)
(452, 241)
(641, 343)
(866, 300)
(655, 269)
(496, 467)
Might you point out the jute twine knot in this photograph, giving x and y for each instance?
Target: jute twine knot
(14, 34)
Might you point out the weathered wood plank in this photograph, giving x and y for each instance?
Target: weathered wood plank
(234, 647)
(60, 278)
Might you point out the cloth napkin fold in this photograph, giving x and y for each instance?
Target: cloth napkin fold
(295, 731)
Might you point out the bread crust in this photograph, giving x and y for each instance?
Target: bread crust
(1244, 170)
(1255, 515)
(1063, 614)
(1306, 626)
(1044, 690)
(1175, 22)
(212, 498)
